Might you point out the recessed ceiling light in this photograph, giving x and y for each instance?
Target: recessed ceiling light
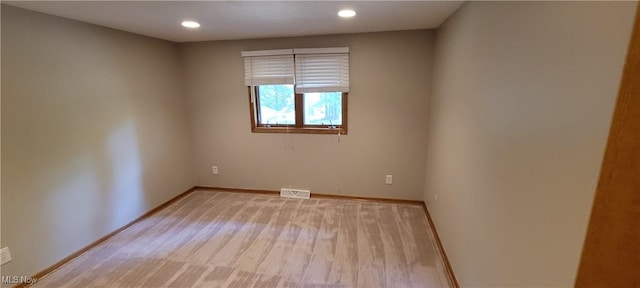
(347, 13)
(190, 24)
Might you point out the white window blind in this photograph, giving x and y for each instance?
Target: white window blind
(316, 69)
(322, 70)
(268, 67)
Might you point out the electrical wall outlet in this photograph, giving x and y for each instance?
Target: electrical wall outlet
(435, 196)
(389, 180)
(214, 170)
(5, 255)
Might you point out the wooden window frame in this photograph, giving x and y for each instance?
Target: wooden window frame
(298, 127)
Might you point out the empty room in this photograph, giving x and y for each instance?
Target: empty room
(320, 144)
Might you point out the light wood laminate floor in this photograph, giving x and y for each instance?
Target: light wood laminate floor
(223, 239)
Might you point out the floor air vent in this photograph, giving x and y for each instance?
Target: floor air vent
(295, 193)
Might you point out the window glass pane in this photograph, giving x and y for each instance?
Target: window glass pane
(323, 108)
(277, 104)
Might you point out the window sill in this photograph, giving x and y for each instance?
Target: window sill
(299, 130)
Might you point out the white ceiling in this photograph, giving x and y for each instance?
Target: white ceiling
(223, 20)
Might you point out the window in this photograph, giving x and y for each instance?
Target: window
(312, 98)
(276, 105)
(322, 108)
(278, 110)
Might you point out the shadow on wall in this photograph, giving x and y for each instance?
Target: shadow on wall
(125, 195)
(114, 189)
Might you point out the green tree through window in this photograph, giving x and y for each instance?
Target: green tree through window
(324, 108)
(277, 104)
(278, 109)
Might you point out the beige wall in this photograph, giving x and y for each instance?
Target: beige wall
(387, 119)
(522, 101)
(94, 134)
